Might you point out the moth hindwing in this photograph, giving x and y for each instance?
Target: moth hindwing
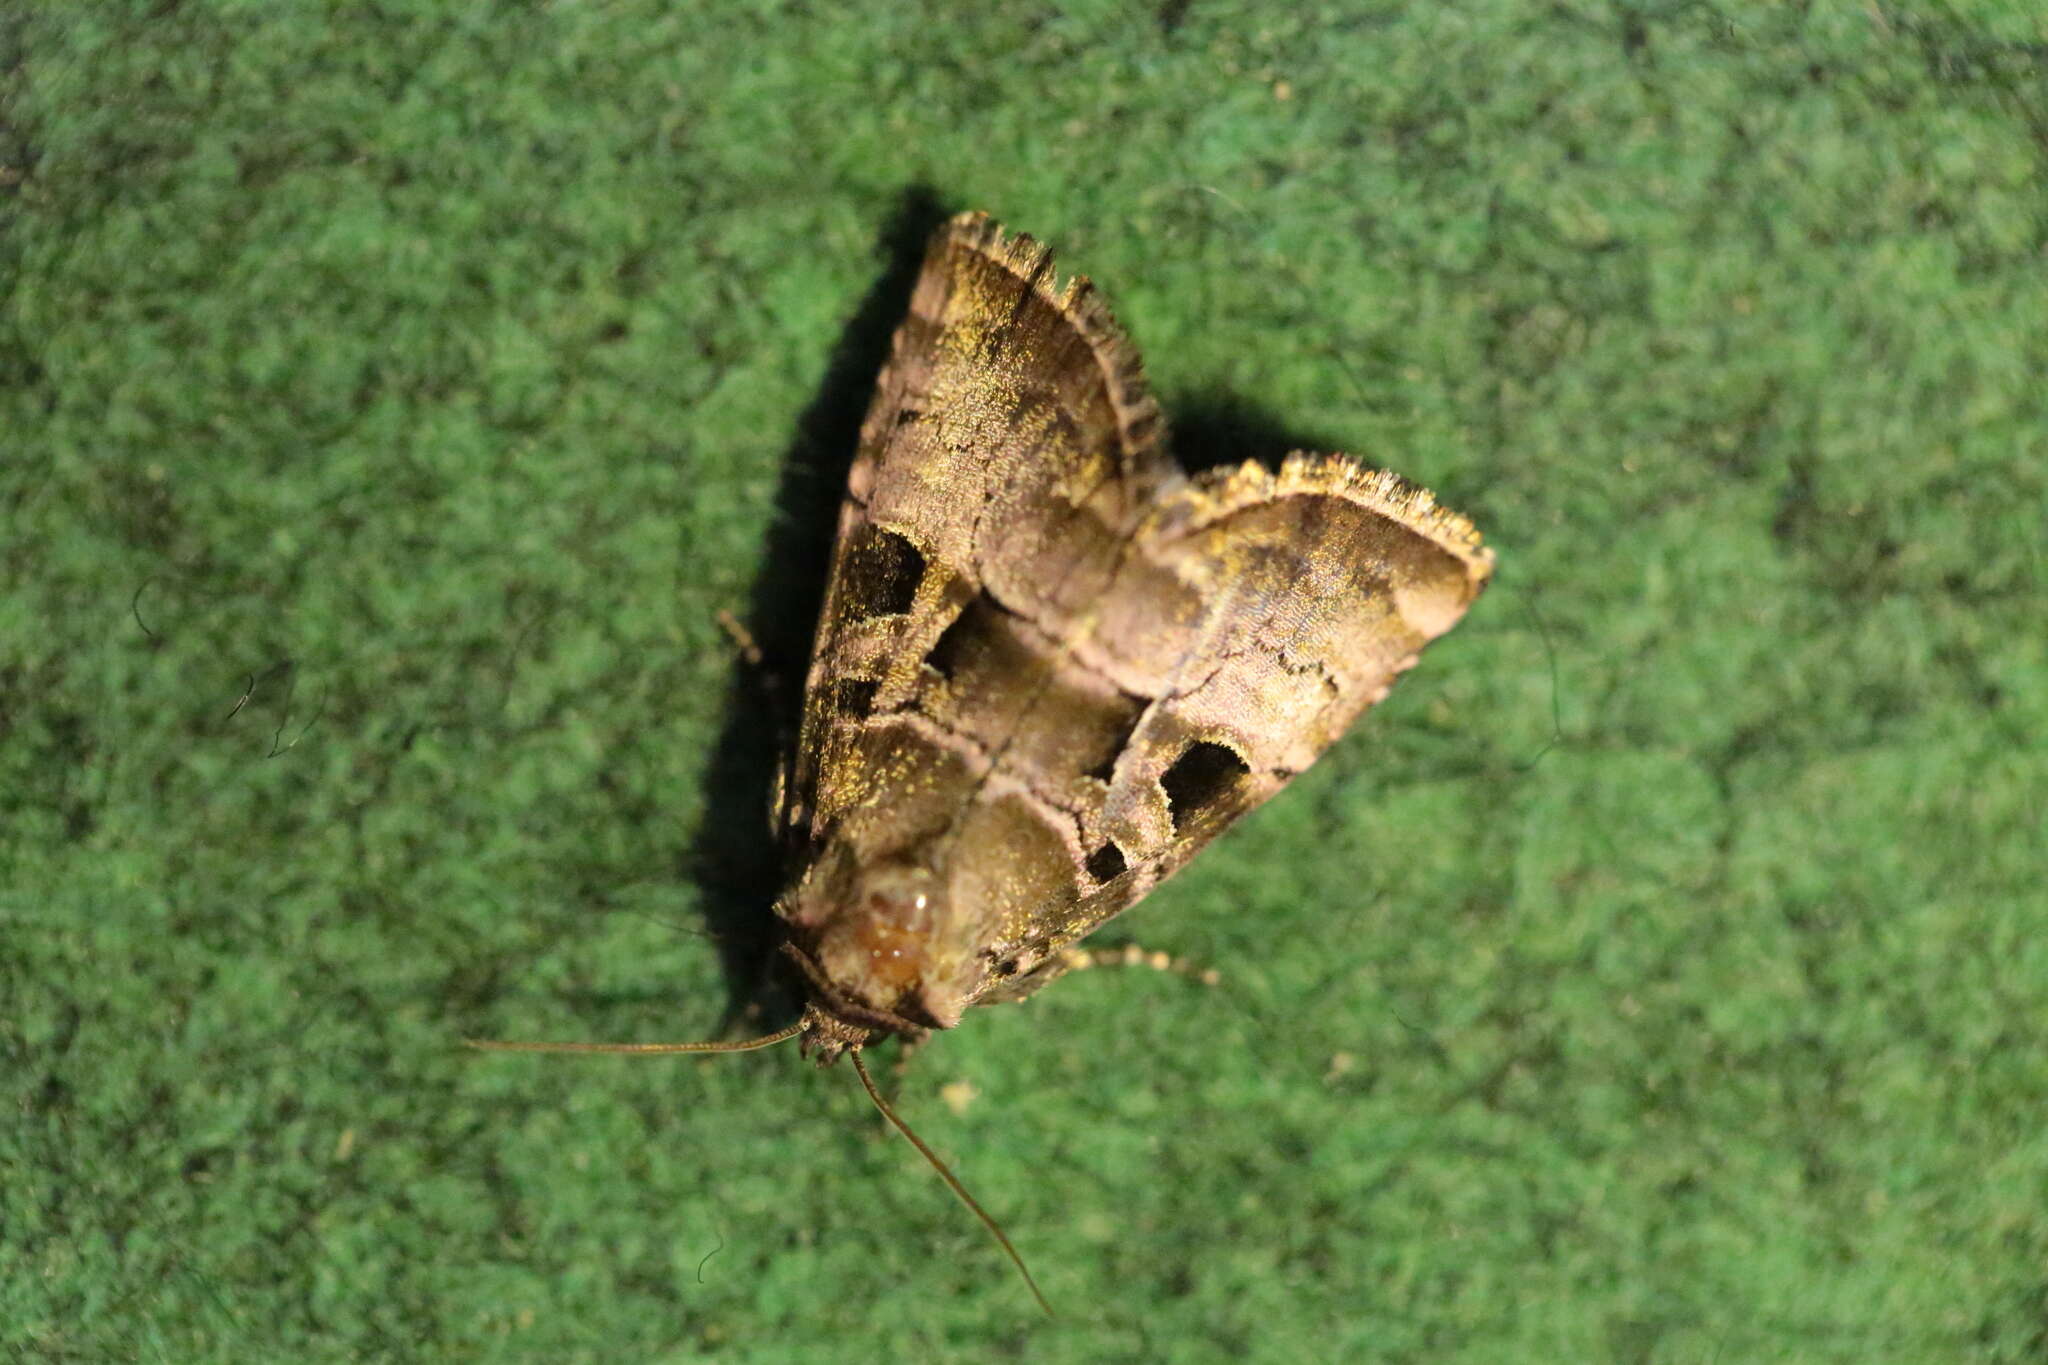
(1051, 666)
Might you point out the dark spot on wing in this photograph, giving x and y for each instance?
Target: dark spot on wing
(883, 570)
(949, 649)
(854, 698)
(1203, 775)
(1107, 863)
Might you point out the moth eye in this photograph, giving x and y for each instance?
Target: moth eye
(887, 568)
(1007, 967)
(1203, 772)
(1106, 863)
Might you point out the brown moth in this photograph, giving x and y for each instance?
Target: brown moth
(1051, 665)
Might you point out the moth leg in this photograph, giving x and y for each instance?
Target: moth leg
(1131, 955)
(770, 680)
(1074, 958)
(766, 672)
(742, 639)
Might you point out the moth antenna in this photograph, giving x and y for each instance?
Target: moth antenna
(860, 1069)
(641, 1049)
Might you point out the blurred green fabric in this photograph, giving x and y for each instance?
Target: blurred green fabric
(392, 397)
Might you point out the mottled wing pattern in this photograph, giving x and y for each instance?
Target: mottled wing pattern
(1307, 592)
(1007, 402)
(1049, 661)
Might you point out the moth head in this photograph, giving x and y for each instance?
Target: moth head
(879, 940)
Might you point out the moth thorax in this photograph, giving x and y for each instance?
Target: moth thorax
(879, 945)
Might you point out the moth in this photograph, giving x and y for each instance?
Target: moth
(1051, 665)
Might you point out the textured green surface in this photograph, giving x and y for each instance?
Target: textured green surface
(1660, 976)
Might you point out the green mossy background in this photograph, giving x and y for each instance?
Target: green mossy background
(1659, 976)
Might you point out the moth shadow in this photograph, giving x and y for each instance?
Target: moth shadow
(735, 856)
(1213, 430)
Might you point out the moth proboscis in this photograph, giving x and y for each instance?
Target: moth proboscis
(1052, 665)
